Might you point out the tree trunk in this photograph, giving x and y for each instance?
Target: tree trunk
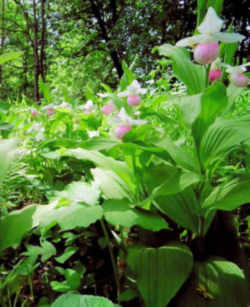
(2, 37)
(36, 54)
(43, 40)
(113, 53)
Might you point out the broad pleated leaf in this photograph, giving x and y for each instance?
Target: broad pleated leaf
(213, 102)
(80, 192)
(104, 162)
(14, 226)
(223, 136)
(111, 185)
(67, 217)
(182, 208)
(120, 213)
(216, 283)
(180, 156)
(78, 300)
(230, 195)
(192, 75)
(160, 272)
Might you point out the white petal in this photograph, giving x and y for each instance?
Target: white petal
(123, 94)
(137, 122)
(103, 95)
(227, 37)
(211, 23)
(192, 41)
(236, 69)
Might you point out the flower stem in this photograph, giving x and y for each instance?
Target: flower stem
(112, 257)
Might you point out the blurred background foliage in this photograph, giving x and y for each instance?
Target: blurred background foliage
(83, 43)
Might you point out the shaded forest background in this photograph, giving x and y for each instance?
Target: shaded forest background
(77, 45)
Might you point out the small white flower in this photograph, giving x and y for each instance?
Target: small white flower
(104, 95)
(210, 30)
(123, 118)
(64, 105)
(132, 90)
(88, 107)
(93, 134)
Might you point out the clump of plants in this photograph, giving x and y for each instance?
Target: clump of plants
(139, 196)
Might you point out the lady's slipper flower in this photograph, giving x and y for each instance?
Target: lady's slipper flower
(210, 32)
(88, 107)
(34, 112)
(108, 108)
(236, 74)
(133, 91)
(206, 43)
(50, 109)
(125, 123)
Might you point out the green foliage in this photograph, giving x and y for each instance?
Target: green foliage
(160, 272)
(77, 300)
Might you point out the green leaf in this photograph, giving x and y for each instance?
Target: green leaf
(180, 156)
(213, 102)
(120, 213)
(230, 195)
(176, 183)
(69, 217)
(10, 56)
(78, 300)
(182, 208)
(104, 162)
(80, 192)
(111, 185)
(190, 107)
(222, 137)
(192, 75)
(215, 283)
(160, 272)
(14, 226)
(70, 251)
(60, 286)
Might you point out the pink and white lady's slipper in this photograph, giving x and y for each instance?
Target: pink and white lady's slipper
(205, 44)
(133, 93)
(88, 107)
(49, 109)
(236, 74)
(34, 112)
(108, 108)
(124, 123)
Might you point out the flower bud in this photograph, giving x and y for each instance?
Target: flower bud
(50, 111)
(206, 53)
(214, 75)
(108, 108)
(134, 100)
(239, 80)
(121, 130)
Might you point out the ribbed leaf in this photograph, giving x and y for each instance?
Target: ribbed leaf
(14, 226)
(230, 195)
(182, 208)
(216, 283)
(192, 75)
(222, 136)
(213, 102)
(160, 272)
(78, 300)
(120, 213)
